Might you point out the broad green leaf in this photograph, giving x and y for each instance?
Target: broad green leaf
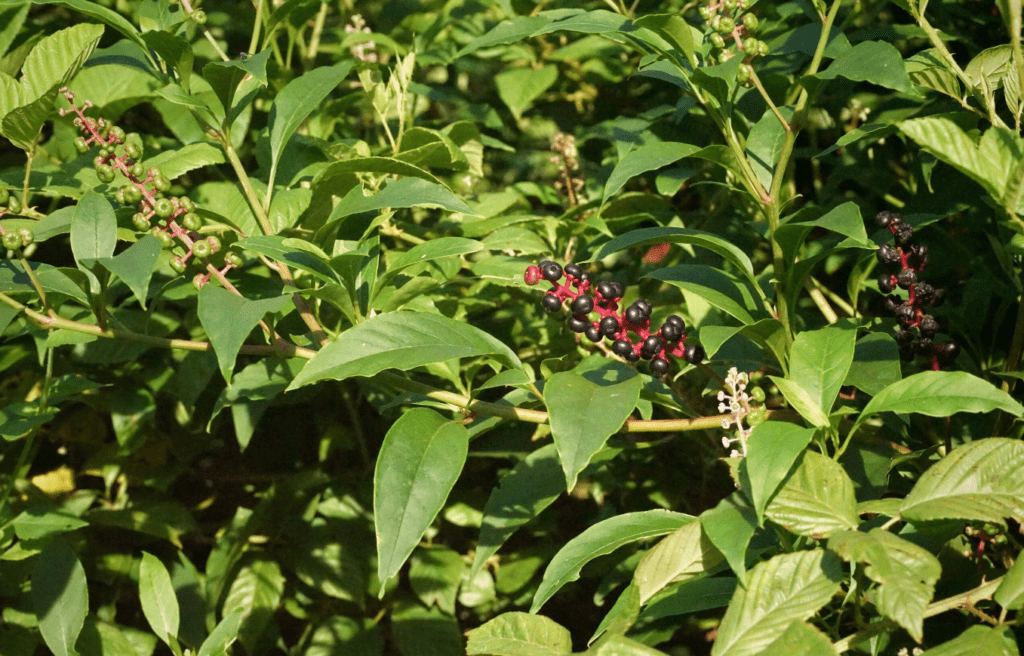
(603, 538)
(643, 159)
(719, 81)
(583, 415)
(177, 54)
(672, 28)
(52, 279)
(100, 13)
(977, 639)
(174, 163)
(940, 394)
(788, 588)
(617, 645)
(407, 192)
(986, 70)
(419, 462)
(135, 265)
(255, 595)
(519, 634)
(156, 593)
(519, 87)
(93, 230)
(729, 526)
(764, 144)
(38, 522)
(530, 487)
(649, 236)
(505, 32)
(167, 520)
(99, 638)
(283, 250)
(386, 165)
(876, 364)
(60, 596)
(820, 360)
(691, 597)
(296, 101)
(904, 601)
(339, 634)
(1010, 593)
(816, 499)
(597, 21)
(401, 340)
(979, 481)
(801, 400)
(772, 448)
(876, 62)
(222, 636)
(418, 631)
(225, 78)
(718, 288)
(435, 574)
(228, 319)
(428, 251)
(803, 639)
(685, 554)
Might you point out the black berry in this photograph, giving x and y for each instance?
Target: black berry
(676, 320)
(652, 346)
(671, 332)
(551, 303)
(622, 348)
(905, 314)
(582, 305)
(552, 272)
(606, 288)
(906, 278)
(635, 315)
(892, 302)
(924, 294)
(886, 254)
(593, 334)
(903, 232)
(884, 219)
(609, 326)
(659, 367)
(644, 306)
(573, 270)
(885, 284)
(578, 323)
(694, 353)
(632, 356)
(918, 256)
(903, 336)
(929, 326)
(948, 352)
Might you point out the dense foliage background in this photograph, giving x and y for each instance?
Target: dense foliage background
(273, 380)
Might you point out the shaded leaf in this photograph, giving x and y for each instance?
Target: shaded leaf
(876, 62)
(519, 634)
(643, 159)
(816, 499)
(228, 319)
(135, 265)
(60, 596)
(772, 448)
(685, 554)
(255, 595)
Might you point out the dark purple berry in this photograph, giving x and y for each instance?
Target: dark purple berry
(644, 306)
(635, 315)
(620, 290)
(594, 334)
(552, 272)
(677, 320)
(906, 278)
(577, 323)
(903, 336)
(631, 356)
(652, 346)
(924, 294)
(551, 303)
(582, 305)
(606, 288)
(924, 346)
(573, 270)
(659, 367)
(583, 277)
(929, 326)
(948, 352)
(622, 348)
(892, 302)
(671, 332)
(886, 254)
(885, 284)
(884, 218)
(903, 232)
(918, 256)
(905, 314)
(609, 326)
(694, 353)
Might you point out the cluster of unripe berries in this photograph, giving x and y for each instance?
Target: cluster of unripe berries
(13, 205)
(916, 335)
(727, 21)
(175, 216)
(586, 299)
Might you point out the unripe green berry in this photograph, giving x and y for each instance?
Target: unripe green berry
(743, 74)
(81, 146)
(757, 394)
(718, 41)
(117, 134)
(751, 22)
(14, 205)
(726, 25)
(133, 150)
(232, 258)
(755, 417)
(201, 249)
(4, 195)
(192, 221)
(137, 170)
(199, 16)
(166, 241)
(751, 46)
(12, 241)
(742, 5)
(199, 281)
(187, 204)
(119, 196)
(214, 243)
(762, 48)
(132, 194)
(730, 4)
(104, 152)
(105, 173)
(140, 222)
(161, 183)
(704, 12)
(177, 264)
(27, 236)
(163, 208)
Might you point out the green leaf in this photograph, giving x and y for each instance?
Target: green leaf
(407, 192)
(719, 80)
(816, 499)
(1010, 593)
(60, 596)
(603, 538)
(940, 394)
(772, 449)
(428, 251)
(387, 165)
(530, 487)
(801, 400)
(177, 54)
(583, 415)
(174, 163)
(419, 462)
(519, 87)
(401, 340)
(597, 21)
(222, 636)
(93, 231)
(729, 526)
(617, 645)
(519, 634)
(435, 574)
(685, 554)
(135, 265)
(296, 101)
(803, 639)
(979, 481)
(672, 28)
(228, 319)
(38, 522)
(649, 236)
(285, 250)
(156, 593)
(255, 595)
(643, 159)
(506, 32)
(225, 77)
(720, 289)
(788, 588)
(991, 641)
(986, 71)
(820, 360)
(764, 144)
(876, 62)
(876, 364)
(418, 631)
(691, 597)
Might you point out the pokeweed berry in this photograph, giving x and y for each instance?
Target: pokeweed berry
(948, 352)
(27, 236)
(609, 326)
(906, 314)
(199, 280)
(199, 16)
(163, 208)
(573, 270)
(232, 258)
(5, 195)
(12, 241)
(694, 353)
(551, 303)
(177, 264)
(132, 194)
(14, 205)
(81, 146)
(885, 284)
(161, 183)
(652, 346)
(884, 218)
(594, 334)
(887, 254)
(531, 277)
(582, 305)
(622, 348)
(192, 221)
(551, 271)
(671, 332)
(906, 278)
(214, 243)
(137, 170)
(105, 173)
(140, 222)
(201, 249)
(659, 367)
(929, 326)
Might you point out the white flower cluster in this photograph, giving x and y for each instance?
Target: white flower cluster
(736, 402)
(366, 51)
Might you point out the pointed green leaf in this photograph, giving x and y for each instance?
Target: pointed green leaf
(876, 62)
(618, 645)
(255, 594)
(691, 597)
(603, 538)
(276, 248)
(177, 54)
(876, 364)
(685, 554)
(429, 251)
(407, 192)
(597, 21)
(788, 588)
(764, 144)
(135, 265)
(419, 462)
(991, 641)
(173, 163)
(519, 634)
(532, 485)
(38, 522)
(1010, 593)
(57, 57)
(816, 499)
(100, 13)
(222, 636)
(801, 400)
(156, 593)
(401, 340)
(643, 159)
(720, 289)
(60, 596)
(772, 449)
(93, 229)
(225, 78)
(803, 639)
(228, 319)
(979, 481)
(820, 360)
(649, 236)
(729, 526)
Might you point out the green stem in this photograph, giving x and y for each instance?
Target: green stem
(255, 40)
(318, 28)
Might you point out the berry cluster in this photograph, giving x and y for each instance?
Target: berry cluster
(13, 205)
(727, 21)
(670, 339)
(145, 190)
(910, 314)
